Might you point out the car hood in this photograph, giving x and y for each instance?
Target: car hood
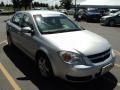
(108, 16)
(83, 41)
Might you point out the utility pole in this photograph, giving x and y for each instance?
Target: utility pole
(75, 4)
(75, 9)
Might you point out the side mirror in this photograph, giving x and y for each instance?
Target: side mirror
(27, 30)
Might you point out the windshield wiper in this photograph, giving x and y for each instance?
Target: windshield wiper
(60, 31)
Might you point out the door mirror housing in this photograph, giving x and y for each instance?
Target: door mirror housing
(27, 30)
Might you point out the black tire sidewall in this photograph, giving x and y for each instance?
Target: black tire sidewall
(112, 25)
(48, 64)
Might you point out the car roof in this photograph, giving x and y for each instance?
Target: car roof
(40, 12)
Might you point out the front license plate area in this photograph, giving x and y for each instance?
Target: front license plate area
(107, 68)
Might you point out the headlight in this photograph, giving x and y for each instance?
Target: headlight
(71, 58)
(104, 18)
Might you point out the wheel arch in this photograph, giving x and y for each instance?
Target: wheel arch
(44, 52)
(111, 20)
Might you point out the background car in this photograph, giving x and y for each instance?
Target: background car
(112, 11)
(71, 11)
(63, 11)
(111, 20)
(40, 8)
(58, 46)
(1, 11)
(91, 14)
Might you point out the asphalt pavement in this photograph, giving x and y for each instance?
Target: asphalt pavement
(17, 71)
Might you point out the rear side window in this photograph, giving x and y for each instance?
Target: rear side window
(17, 19)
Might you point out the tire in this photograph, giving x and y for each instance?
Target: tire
(87, 19)
(9, 40)
(44, 66)
(112, 23)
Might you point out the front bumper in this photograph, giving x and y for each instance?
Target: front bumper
(82, 73)
(103, 22)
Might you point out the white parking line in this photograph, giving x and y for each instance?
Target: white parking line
(118, 84)
(117, 52)
(5, 41)
(117, 65)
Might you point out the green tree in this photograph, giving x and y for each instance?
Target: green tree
(2, 4)
(16, 4)
(66, 4)
(56, 6)
(52, 7)
(26, 4)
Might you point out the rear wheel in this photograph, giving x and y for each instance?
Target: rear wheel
(112, 23)
(87, 19)
(44, 66)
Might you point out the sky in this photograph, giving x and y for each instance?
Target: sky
(101, 2)
(50, 2)
(87, 2)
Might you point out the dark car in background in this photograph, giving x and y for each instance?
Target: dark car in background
(111, 19)
(91, 14)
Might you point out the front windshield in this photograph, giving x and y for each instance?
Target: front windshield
(117, 13)
(54, 24)
(93, 10)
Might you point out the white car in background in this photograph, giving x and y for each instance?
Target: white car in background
(71, 12)
(112, 11)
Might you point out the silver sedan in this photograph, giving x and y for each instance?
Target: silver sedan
(59, 46)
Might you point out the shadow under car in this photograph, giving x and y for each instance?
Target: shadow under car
(28, 67)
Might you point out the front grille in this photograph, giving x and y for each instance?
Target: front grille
(96, 58)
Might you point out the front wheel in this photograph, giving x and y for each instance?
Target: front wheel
(112, 23)
(44, 66)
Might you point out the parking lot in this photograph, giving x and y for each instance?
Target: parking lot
(19, 72)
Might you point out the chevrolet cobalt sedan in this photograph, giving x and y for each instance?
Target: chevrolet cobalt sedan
(59, 46)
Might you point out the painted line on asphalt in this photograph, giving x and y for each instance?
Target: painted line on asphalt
(9, 78)
(117, 52)
(118, 84)
(117, 65)
(5, 41)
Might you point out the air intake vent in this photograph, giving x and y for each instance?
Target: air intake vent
(96, 58)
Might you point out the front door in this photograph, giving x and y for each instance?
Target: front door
(28, 40)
